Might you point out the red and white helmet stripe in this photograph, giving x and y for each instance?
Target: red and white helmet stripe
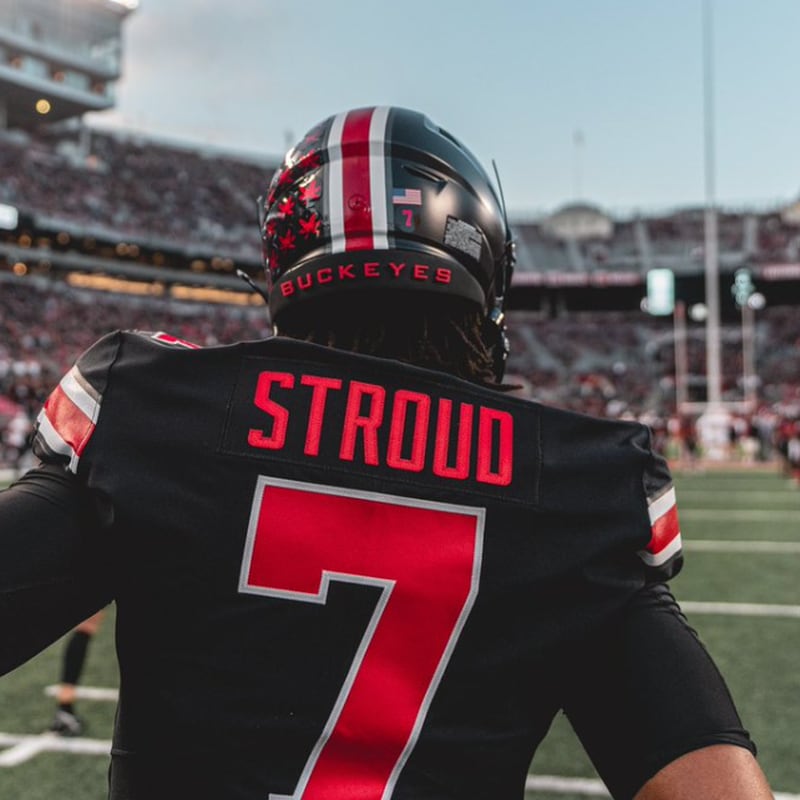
(68, 419)
(665, 539)
(358, 196)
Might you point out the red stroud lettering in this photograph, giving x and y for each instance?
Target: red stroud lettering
(427, 423)
(368, 270)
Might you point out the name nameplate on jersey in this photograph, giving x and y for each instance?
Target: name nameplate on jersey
(445, 436)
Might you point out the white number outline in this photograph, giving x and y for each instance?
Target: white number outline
(386, 586)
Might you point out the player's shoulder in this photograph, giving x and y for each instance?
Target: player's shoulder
(619, 451)
(126, 344)
(109, 346)
(564, 426)
(124, 350)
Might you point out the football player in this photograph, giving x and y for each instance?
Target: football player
(65, 721)
(347, 562)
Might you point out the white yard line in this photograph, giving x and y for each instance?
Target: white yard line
(590, 787)
(553, 783)
(742, 514)
(734, 546)
(89, 693)
(760, 494)
(741, 609)
(24, 747)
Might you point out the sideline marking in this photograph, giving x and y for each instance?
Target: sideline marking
(552, 783)
(88, 693)
(592, 787)
(740, 546)
(23, 747)
(760, 494)
(740, 609)
(743, 514)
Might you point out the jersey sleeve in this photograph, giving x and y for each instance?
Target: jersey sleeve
(69, 417)
(56, 568)
(663, 555)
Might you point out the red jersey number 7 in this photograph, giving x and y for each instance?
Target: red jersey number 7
(426, 557)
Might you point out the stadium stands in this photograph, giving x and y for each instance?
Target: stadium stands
(160, 209)
(45, 324)
(125, 187)
(605, 363)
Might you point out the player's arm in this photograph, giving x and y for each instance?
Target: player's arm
(55, 565)
(653, 710)
(721, 772)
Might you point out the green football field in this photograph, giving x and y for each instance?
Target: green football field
(739, 589)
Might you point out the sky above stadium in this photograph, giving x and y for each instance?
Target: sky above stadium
(598, 101)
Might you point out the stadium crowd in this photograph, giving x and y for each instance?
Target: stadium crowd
(134, 187)
(610, 364)
(45, 325)
(154, 191)
(606, 364)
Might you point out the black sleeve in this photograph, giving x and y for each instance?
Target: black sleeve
(55, 563)
(645, 691)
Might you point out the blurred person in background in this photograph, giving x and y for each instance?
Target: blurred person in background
(66, 721)
(793, 452)
(17, 440)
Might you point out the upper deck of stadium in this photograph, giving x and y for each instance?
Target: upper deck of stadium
(107, 186)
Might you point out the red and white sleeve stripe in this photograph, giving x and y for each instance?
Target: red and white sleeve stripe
(68, 419)
(665, 538)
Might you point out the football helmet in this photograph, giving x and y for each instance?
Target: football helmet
(382, 199)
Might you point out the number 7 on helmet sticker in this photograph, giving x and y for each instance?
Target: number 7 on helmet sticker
(426, 558)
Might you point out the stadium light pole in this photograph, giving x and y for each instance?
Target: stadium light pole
(681, 357)
(748, 357)
(755, 302)
(713, 423)
(713, 355)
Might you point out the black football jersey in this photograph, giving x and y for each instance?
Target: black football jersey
(339, 576)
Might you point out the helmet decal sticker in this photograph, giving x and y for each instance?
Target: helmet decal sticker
(310, 227)
(407, 197)
(309, 191)
(462, 236)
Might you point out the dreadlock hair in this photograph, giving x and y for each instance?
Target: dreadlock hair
(437, 333)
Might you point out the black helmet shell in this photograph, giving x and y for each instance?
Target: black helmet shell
(380, 198)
